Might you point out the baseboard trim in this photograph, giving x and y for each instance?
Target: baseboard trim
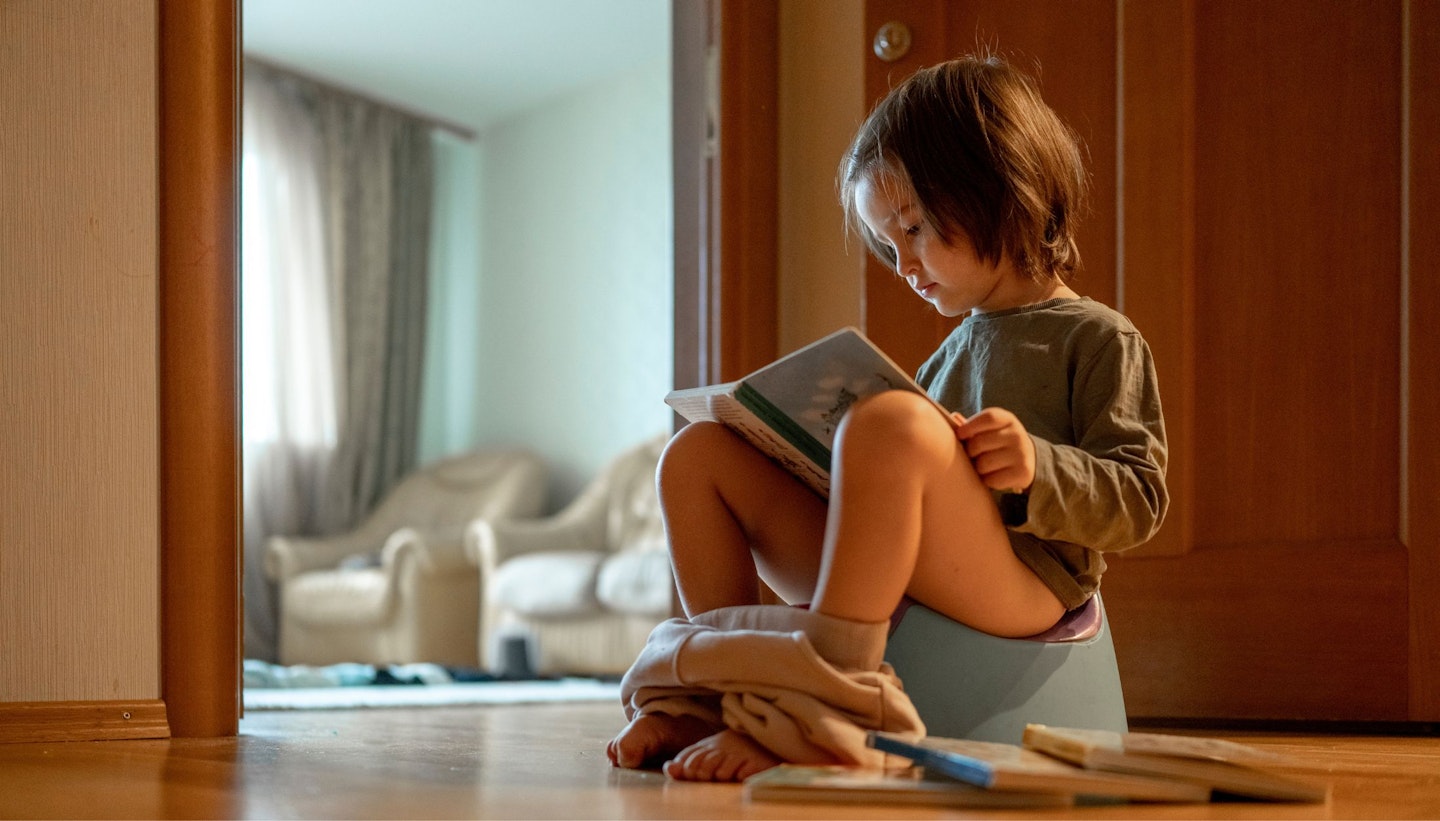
(31, 721)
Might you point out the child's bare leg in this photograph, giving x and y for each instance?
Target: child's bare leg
(725, 505)
(733, 516)
(656, 737)
(725, 756)
(909, 514)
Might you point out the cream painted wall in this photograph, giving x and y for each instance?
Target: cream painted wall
(821, 104)
(558, 307)
(450, 390)
(79, 486)
(575, 319)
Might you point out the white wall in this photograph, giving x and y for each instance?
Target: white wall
(575, 320)
(451, 389)
(561, 306)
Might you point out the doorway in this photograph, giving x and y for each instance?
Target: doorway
(550, 248)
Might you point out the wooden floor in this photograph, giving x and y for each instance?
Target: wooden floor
(547, 761)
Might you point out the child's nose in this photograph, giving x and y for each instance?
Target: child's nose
(904, 264)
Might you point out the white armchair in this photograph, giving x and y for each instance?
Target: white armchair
(399, 588)
(586, 586)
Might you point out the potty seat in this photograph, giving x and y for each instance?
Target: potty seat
(969, 684)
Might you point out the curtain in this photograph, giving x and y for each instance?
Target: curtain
(337, 195)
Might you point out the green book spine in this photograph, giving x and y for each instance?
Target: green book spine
(781, 423)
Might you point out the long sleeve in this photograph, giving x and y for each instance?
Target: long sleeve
(1107, 491)
(1081, 380)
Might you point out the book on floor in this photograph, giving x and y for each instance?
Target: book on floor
(909, 786)
(1223, 766)
(1010, 767)
(791, 408)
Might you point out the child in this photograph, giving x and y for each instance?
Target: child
(969, 186)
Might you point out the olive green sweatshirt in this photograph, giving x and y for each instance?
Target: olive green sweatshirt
(1081, 379)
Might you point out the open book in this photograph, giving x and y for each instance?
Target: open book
(1221, 765)
(1009, 767)
(910, 786)
(791, 408)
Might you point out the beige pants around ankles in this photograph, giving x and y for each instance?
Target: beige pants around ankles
(804, 685)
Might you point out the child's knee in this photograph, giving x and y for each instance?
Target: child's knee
(694, 447)
(897, 420)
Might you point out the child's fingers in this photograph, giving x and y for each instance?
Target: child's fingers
(998, 473)
(1000, 457)
(990, 441)
(979, 423)
(990, 419)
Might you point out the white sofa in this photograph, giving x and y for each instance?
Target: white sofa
(399, 588)
(584, 587)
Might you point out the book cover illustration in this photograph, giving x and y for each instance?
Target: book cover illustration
(816, 390)
(792, 408)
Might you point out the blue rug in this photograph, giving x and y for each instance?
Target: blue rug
(361, 686)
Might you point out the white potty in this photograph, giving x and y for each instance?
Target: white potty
(969, 684)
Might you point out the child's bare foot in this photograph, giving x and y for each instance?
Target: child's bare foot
(654, 737)
(725, 756)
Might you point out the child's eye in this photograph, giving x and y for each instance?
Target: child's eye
(914, 229)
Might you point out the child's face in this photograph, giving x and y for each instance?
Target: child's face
(950, 276)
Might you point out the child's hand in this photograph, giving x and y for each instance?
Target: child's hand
(1000, 449)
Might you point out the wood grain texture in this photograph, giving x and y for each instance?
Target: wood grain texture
(1263, 250)
(1297, 291)
(745, 252)
(79, 540)
(1293, 599)
(906, 327)
(517, 762)
(1423, 386)
(82, 721)
(199, 451)
(1071, 56)
(1240, 633)
(1156, 280)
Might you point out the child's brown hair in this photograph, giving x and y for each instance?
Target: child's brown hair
(984, 155)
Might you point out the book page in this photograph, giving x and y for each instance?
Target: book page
(816, 385)
(726, 409)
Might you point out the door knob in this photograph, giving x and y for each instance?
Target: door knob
(892, 41)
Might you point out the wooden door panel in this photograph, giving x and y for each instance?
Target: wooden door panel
(1421, 495)
(1288, 600)
(1297, 291)
(1059, 49)
(1251, 215)
(1282, 632)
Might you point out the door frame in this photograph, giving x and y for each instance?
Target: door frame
(725, 307)
(725, 56)
(725, 92)
(201, 616)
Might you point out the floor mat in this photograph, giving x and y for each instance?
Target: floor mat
(356, 686)
(491, 692)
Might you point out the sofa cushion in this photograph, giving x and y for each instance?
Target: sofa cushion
(548, 585)
(636, 582)
(348, 598)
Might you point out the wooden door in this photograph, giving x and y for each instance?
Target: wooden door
(1265, 181)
